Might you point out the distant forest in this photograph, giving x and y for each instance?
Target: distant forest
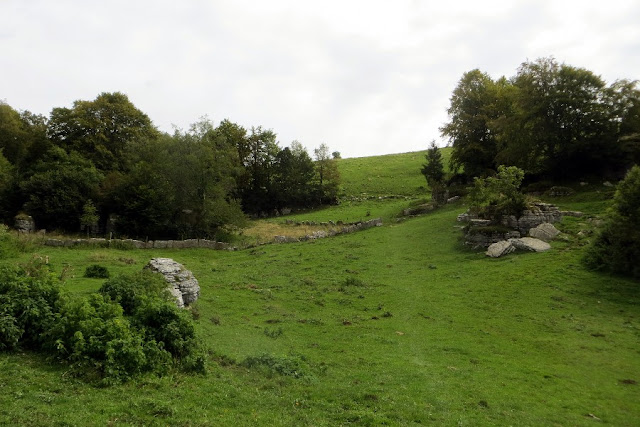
(554, 121)
(103, 162)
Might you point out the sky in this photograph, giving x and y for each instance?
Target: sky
(365, 77)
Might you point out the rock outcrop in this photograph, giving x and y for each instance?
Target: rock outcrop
(545, 232)
(498, 249)
(530, 244)
(539, 213)
(182, 284)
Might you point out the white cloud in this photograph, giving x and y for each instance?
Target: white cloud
(365, 77)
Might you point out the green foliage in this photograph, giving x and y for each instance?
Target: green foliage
(617, 246)
(498, 195)
(96, 271)
(89, 217)
(132, 290)
(60, 187)
(96, 334)
(471, 112)
(28, 306)
(101, 129)
(551, 119)
(433, 171)
(8, 245)
(163, 322)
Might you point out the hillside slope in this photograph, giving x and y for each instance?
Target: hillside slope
(396, 325)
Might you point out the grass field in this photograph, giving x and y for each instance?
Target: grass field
(396, 325)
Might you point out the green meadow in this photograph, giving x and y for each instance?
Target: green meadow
(395, 325)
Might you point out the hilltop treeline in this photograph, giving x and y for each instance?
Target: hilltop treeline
(552, 120)
(105, 158)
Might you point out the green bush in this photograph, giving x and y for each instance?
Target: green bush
(131, 290)
(617, 246)
(28, 305)
(499, 195)
(98, 334)
(96, 271)
(165, 323)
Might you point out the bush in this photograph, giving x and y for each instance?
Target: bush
(131, 290)
(499, 195)
(165, 323)
(96, 271)
(617, 246)
(98, 334)
(28, 305)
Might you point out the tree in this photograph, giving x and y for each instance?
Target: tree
(89, 218)
(433, 171)
(562, 119)
(327, 174)
(617, 246)
(202, 165)
(293, 178)
(471, 113)
(101, 129)
(58, 190)
(625, 104)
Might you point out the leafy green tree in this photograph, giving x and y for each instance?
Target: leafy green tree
(14, 137)
(327, 174)
(617, 246)
(101, 129)
(471, 113)
(433, 171)
(202, 165)
(563, 117)
(143, 200)
(59, 188)
(625, 103)
(293, 177)
(89, 218)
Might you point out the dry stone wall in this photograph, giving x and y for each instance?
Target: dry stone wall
(139, 244)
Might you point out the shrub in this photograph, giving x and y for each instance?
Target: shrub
(131, 290)
(498, 195)
(28, 304)
(165, 323)
(96, 271)
(97, 334)
(617, 246)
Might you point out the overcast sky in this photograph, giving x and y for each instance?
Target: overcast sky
(365, 77)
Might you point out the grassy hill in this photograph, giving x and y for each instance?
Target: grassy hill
(396, 325)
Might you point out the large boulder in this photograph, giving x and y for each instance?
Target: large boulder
(546, 232)
(530, 244)
(498, 249)
(182, 284)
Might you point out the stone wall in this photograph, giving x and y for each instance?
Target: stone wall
(139, 244)
(343, 229)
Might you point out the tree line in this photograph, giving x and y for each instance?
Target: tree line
(554, 121)
(104, 159)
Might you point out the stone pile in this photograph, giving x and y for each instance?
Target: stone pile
(537, 242)
(539, 213)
